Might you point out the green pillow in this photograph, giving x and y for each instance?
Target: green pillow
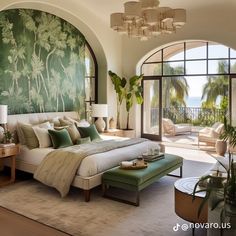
(83, 140)
(90, 131)
(30, 138)
(60, 138)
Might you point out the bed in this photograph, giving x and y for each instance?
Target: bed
(91, 168)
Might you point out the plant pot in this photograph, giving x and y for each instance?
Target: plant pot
(221, 147)
(129, 133)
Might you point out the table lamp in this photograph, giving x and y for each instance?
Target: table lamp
(99, 111)
(3, 120)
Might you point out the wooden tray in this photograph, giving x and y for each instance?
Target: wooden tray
(138, 167)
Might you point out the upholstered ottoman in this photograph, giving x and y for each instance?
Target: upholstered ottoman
(136, 180)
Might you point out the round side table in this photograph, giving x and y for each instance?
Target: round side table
(185, 207)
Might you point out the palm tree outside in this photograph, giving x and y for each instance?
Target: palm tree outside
(216, 87)
(175, 88)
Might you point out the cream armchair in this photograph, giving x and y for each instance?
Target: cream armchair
(170, 128)
(209, 135)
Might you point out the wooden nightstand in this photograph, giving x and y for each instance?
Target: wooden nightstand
(114, 132)
(9, 152)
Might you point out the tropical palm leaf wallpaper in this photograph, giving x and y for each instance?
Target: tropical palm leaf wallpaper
(42, 64)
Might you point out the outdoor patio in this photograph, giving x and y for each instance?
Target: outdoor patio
(188, 140)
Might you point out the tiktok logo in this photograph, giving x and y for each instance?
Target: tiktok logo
(176, 227)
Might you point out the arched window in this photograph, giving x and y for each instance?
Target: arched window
(195, 80)
(195, 58)
(91, 74)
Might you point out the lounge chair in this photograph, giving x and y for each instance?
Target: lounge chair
(172, 129)
(209, 135)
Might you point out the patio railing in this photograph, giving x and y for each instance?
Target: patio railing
(192, 115)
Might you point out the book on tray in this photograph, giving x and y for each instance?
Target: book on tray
(154, 157)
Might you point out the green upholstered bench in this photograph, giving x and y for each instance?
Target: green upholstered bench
(136, 180)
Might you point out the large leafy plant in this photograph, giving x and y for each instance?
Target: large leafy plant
(128, 89)
(133, 92)
(228, 185)
(119, 85)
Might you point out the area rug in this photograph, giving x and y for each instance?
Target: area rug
(100, 216)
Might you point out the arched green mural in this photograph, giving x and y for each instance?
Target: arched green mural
(41, 63)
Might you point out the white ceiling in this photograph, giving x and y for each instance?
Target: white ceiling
(103, 8)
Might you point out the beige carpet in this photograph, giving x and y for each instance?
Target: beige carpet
(101, 216)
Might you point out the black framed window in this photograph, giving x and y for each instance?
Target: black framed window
(200, 55)
(91, 80)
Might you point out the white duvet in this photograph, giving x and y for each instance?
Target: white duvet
(92, 164)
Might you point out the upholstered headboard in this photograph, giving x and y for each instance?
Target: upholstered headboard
(36, 118)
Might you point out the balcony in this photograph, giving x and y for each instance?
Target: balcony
(192, 115)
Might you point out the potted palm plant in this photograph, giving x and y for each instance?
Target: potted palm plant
(119, 86)
(223, 187)
(128, 90)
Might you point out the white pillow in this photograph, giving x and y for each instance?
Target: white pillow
(45, 125)
(83, 123)
(43, 137)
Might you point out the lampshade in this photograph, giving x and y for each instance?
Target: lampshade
(149, 4)
(179, 17)
(117, 20)
(133, 10)
(99, 110)
(151, 16)
(3, 114)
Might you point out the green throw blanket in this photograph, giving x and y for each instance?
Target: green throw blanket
(59, 167)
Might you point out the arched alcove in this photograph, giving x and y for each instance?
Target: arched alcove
(73, 19)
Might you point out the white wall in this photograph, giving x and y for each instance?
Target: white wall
(105, 43)
(213, 22)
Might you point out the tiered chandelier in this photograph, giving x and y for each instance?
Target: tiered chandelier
(145, 19)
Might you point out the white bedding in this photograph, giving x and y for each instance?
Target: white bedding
(92, 164)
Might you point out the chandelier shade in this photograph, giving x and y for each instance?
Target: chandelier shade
(149, 4)
(145, 19)
(133, 10)
(179, 17)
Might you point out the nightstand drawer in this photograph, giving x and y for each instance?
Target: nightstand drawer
(9, 151)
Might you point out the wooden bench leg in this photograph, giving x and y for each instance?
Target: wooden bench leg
(180, 173)
(105, 195)
(87, 195)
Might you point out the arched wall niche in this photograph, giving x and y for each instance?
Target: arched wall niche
(68, 16)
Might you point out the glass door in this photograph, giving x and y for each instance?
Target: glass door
(233, 100)
(152, 108)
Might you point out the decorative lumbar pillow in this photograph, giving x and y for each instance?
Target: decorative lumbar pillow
(65, 122)
(83, 140)
(74, 121)
(60, 138)
(74, 133)
(90, 131)
(30, 139)
(43, 137)
(55, 121)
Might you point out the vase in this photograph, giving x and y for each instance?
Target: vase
(112, 123)
(221, 147)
